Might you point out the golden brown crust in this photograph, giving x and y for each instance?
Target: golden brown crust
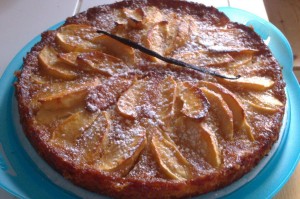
(133, 185)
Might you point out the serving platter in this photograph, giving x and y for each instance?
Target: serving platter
(24, 174)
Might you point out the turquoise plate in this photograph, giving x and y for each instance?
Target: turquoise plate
(22, 177)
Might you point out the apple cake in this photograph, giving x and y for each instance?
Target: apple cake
(132, 123)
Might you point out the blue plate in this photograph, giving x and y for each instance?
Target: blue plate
(21, 176)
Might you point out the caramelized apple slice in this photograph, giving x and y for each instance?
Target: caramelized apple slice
(67, 133)
(202, 58)
(69, 58)
(152, 16)
(240, 59)
(206, 58)
(141, 98)
(47, 117)
(169, 158)
(120, 29)
(204, 141)
(128, 103)
(134, 17)
(51, 88)
(225, 40)
(165, 37)
(120, 155)
(49, 62)
(39, 80)
(101, 63)
(209, 146)
(95, 136)
(238, 113)
(248, 83)
(77, 38)
(66, 98)
(195, 104)
(63, 100)
(58, 101)
(222, 111)
(156, 38)
(246, 130)
(116, 48)
(107, 94)
(137, 14)
(165, 100)
(265, 103)
(180, 30)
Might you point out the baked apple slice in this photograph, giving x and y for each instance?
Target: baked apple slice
(225, 40)
(93, 137)
(164, 103)
(108, 93)
(248, 83)
(116, 49)
(101, 63)
(180, 31)
(238, 113)
(39, 80)
(68, 131)
(165, 37)
(153, 15)
(59, 101)
(49, 117)
(156, 39)
(130, 100)
(63, 99)
(77, 38)
(120, 28)
(222, 112)
(69, 58)
(66, 98)
(52, 88)
(209, 146)
(264, 103)
(203, 58)
(234, 105)
(51, 64)
(140, 17)
(195, 104)
(169, 158)
(240, 59)
(246, 130)
(121, 159)
(204, 140)
(154, 94)
(134, 17)
(120, 153)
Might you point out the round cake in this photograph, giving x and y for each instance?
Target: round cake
(151, 99)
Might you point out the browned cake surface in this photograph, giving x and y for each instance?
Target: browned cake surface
(122, 123)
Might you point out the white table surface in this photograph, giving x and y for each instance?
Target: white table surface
(21, 21)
